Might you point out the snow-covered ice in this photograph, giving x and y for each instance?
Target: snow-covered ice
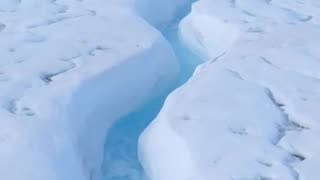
(68, 70)
(251, 110)
(78, 78)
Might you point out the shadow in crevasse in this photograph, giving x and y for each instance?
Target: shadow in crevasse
(120, 157)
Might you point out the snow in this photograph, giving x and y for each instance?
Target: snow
(68, 70)
(251, 110)
(78, 78)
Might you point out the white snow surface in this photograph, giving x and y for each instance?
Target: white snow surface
(68, 70)
(251, 111)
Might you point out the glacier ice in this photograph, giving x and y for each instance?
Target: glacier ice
(68, 70)
(250, 110)
(74, 74)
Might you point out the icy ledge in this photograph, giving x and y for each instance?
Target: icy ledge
(251, 110)
(68, 70)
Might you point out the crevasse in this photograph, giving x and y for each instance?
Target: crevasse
(121, 158)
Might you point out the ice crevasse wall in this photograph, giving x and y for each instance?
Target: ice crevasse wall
(68, 70)
(251, 110)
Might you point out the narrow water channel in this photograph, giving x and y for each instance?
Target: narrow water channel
(121, 159)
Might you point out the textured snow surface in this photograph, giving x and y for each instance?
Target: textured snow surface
(68, 69)
(251, 111)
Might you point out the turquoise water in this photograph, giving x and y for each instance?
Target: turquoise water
(121, 159)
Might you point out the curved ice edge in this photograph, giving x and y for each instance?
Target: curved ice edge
(75, 117)
(285, 168)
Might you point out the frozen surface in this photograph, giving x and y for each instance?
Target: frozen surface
(251, 111)
(68, 70)
(74, 73)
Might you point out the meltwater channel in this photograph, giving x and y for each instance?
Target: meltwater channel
(120, 157)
